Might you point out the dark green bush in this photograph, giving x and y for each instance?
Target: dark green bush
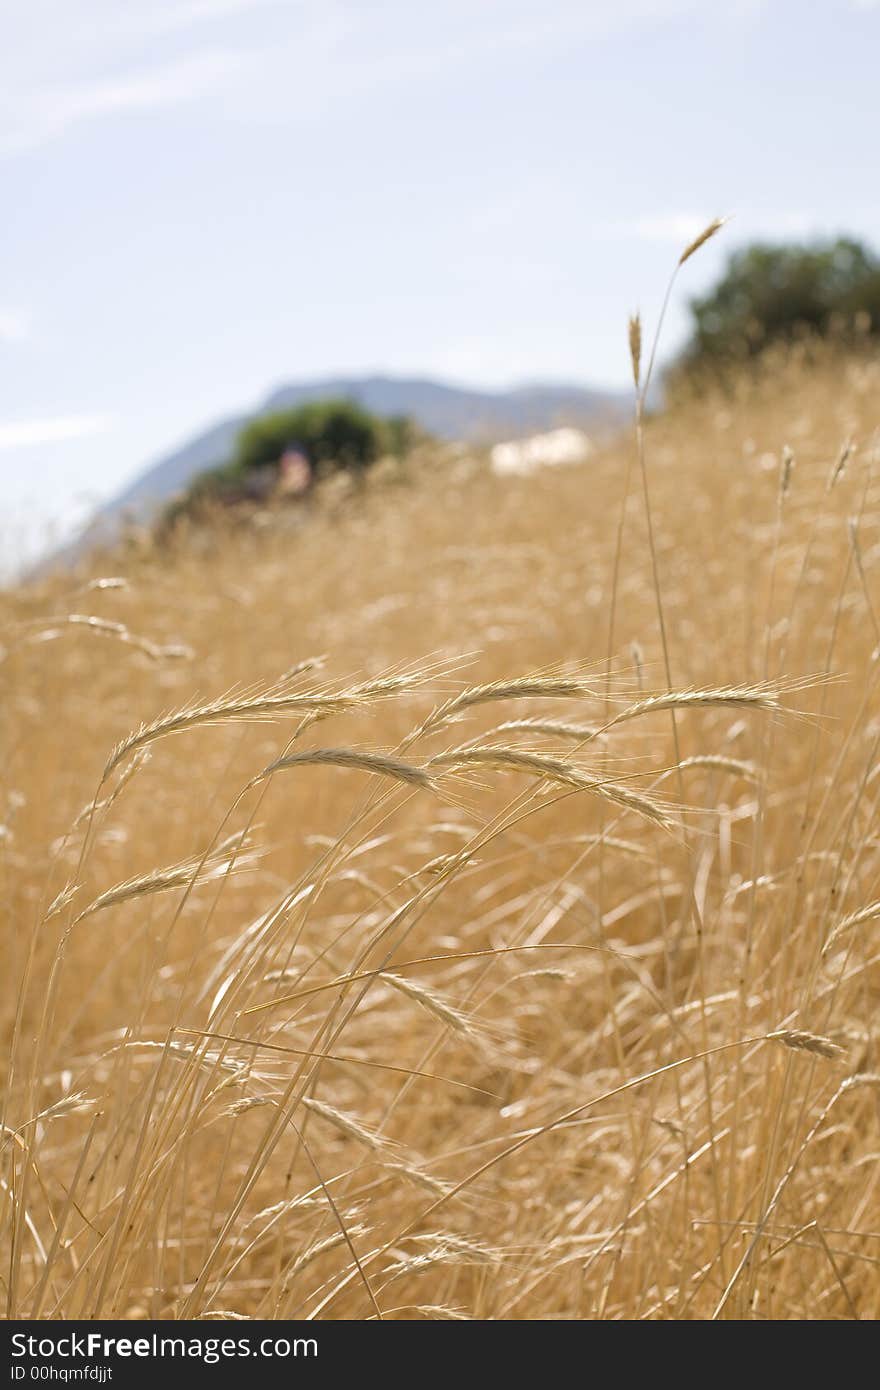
(331, 433)
(773, 293)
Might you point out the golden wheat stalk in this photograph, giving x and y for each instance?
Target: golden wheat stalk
(323, 1247)
(93, 808)
(61, 900)
(258, 707)
(188, 873)
(348, 1125)
(356, 759)
(443, 1248)
(717, 762)
(855, 919)
(101, 583)
(107, 627)
(785, 472)
(736, 697)
(555, 770)
(521, 688)
(439, 1006)
(838, 468)
(299, 668)
(862, 1078)
(705, 235)
(551, 728)
(808, 1042)
(635, 347)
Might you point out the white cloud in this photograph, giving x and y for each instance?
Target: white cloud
(165, 86)
(51, 110)
(64, 62)
(14, 325)
(680, 228)
(22, 434)
(672, 226)
(180, 16)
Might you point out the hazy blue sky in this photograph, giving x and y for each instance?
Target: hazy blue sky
(204, 198)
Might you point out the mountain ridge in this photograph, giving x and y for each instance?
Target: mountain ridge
(446, 410)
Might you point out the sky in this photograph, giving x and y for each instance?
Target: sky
(202, 199)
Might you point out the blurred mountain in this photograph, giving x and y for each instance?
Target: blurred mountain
(446, 411)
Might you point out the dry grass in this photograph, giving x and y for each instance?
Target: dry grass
(387, 988)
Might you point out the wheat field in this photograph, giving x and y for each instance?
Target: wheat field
(462, 903)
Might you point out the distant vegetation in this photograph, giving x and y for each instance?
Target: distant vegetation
(332, 434)
(769, 294)
(327, 436)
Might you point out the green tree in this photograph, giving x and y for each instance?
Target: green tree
(772, 293)
(400, 435)
(332, 433)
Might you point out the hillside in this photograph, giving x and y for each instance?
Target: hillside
(447, 412)
(465, 904)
